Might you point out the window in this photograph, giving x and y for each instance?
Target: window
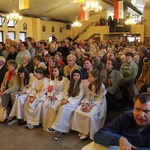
(12, 35)
(60, 29)
(1, 36)
(53, 29)
(43, 28)
(2, 19)
(11, 23)
(22, 36)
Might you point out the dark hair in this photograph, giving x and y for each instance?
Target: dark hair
(95, 62)
(47, 55)
(75, 43)
(143, 98)
(86, 54)
(88, 59)
(39, 58)
(25, 44)
(112, 62)
(40, 70)
(13, 63)
(130, 54)
(74, 88)
(29, 38)
(96, 74)
(43, 43)
(61, 72)
(26, 74)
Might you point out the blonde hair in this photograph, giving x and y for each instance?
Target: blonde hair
(71, 56)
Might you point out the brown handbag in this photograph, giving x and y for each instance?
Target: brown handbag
(3, 114)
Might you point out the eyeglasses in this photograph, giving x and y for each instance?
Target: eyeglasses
(69, 60)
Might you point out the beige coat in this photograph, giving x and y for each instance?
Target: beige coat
(144, 80)
(12, 85)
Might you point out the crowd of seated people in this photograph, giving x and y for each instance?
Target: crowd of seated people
(70, 85)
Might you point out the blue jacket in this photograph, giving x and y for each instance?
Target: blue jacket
(124, 125)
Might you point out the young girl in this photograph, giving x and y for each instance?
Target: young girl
(91, 114)
(72, 98)
(54, 97)
(33, 105)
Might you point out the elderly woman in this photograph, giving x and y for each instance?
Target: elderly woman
(27, 63)
(71, 59)
(111, 78)
(136, 59)
(129, 70)
(10, 83)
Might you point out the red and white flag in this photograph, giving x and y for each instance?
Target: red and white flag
(118, 10)
(84, 14)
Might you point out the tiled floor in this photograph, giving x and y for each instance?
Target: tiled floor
(19, 138)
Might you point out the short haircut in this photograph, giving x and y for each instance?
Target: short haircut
(71, 56)
(143, 98)
(43, 43)
(130, 54)
(40, 70)
(88, 59)
(53, 59)
(29, 38)
(14, 46)
(143, 49)
(86, 54)
(59, 54)
(25, 44)
(12, 63)
(39, 58)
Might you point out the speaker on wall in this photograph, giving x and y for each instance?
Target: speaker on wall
(68, 26)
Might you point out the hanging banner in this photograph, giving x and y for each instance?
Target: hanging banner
(84, 14)
(118, 10)
(23, 4)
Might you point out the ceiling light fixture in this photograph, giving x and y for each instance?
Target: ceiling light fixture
(76, 23)
(130, 20)
(14, 16)
(92, 6)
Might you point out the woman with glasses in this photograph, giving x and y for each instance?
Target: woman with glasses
(71, 60)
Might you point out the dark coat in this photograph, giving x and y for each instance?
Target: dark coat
(3, 70)
(126, 126)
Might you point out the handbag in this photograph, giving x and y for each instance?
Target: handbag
(3, 114)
